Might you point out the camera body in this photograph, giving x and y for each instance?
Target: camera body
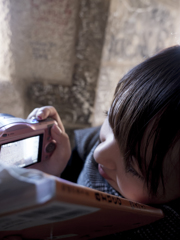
(24, 142)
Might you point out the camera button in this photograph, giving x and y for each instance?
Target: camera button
(50, 147)
(34, 120)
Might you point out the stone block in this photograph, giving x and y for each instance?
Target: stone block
(41, 36)
(135, 31)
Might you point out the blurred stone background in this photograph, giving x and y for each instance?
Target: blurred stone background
(71, 53)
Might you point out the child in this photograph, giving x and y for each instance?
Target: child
(136, 155)
(139, 142)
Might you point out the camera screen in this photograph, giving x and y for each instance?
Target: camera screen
(21, 153)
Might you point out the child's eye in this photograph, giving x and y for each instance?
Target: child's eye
(133, 171)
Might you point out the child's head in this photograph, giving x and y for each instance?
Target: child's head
(145, 121)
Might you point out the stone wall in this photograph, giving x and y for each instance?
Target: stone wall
(71, 53)
(37, 43)
(53, 51)
(136, 29)
(75, 102)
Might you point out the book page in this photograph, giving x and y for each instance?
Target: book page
(50, 213)
(20, 188)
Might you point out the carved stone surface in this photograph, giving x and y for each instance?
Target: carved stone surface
(40, 37)
(135, 30)
(75, 103)
(43, 39)
(11, 99)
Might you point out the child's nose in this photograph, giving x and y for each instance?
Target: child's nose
(108, 162)
(104, 157)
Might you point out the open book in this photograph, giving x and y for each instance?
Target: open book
(39, 206)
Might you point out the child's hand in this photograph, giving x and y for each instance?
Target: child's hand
(58, 161)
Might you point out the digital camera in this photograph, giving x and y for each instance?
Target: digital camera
(24, 142)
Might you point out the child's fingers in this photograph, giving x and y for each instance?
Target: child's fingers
(63, 148)
(62, 152)
(33, 113)
(42, 113)
(62, 141)
(45, 112)
(49, 111)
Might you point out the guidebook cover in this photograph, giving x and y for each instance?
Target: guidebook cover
(35, 205)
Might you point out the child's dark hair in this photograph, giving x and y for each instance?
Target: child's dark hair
(150, 92)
